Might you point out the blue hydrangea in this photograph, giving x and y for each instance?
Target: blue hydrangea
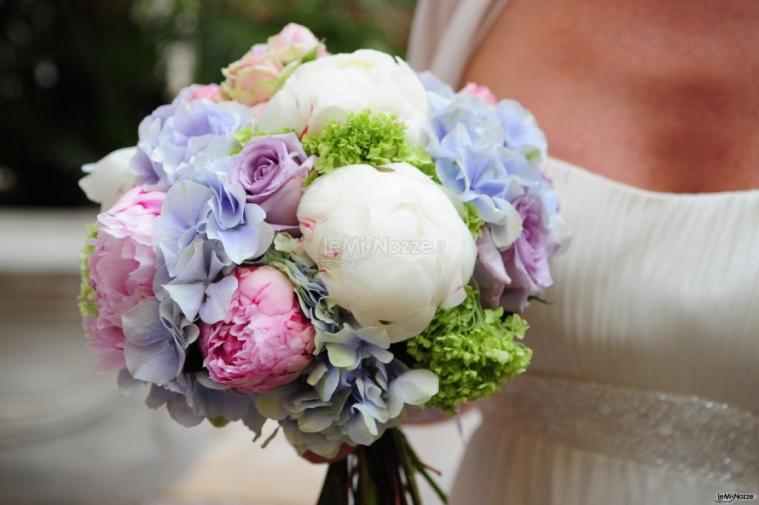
(192, 397)
(507, 124)
(488, 156)
(350, 394)
(203, 286)
(312, 293)
(520, 130)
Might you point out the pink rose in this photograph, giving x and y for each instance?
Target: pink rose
(254, 78)
(482, 92)
(293, 42)
(121, 269)
(265, 341)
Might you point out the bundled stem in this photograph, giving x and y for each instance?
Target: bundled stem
(335, 490)
(381, 474)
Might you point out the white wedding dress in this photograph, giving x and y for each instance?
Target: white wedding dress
(644, 387)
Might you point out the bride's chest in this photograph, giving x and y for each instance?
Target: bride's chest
(658, 292)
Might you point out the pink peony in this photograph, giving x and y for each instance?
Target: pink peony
(121, 269)
(482, 92)
(265, 341)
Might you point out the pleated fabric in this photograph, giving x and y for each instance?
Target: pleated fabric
(656, 292)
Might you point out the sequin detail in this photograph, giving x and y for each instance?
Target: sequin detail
(683, 433)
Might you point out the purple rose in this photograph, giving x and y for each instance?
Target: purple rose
(272, 170)
(508, 277)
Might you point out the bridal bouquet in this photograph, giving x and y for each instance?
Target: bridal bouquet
(323, 241)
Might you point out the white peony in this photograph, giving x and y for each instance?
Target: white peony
(390, 245)
(330, 88)
(109, 178)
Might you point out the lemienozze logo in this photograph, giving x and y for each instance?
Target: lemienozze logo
(355, 250)
(735, 497)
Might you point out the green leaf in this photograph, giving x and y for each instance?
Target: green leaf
(313, 53)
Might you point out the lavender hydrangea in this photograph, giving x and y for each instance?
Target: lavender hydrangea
(160, 347)
(205, 229)
(192, 397)
(174, 135)
(215, 210)
(484, 174)
(157, 337)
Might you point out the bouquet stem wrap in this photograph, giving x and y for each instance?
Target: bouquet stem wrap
(383, 473)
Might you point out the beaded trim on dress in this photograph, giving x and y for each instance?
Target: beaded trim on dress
(684, 433)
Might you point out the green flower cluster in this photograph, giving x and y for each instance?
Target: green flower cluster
(248, 133)
(472, 219)
(364, 137)
(87, 305)
(472, 350)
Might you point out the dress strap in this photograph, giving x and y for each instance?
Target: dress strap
(445, 32)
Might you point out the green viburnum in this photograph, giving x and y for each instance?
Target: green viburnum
(472, 350)
(87, 305)
(248, 133)
(472, 219)
(365, 137)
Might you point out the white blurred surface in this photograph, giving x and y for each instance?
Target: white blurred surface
(42, 240)
(67, 436)
(233, 470)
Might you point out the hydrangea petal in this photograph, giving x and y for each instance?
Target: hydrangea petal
(149, 349)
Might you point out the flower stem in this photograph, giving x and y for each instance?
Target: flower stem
(383, 473)
(335, 490)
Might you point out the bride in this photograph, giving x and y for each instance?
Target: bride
(644, 386)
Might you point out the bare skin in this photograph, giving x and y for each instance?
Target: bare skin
(658, 94)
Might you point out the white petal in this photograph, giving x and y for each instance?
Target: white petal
(390, 245)
(109, 178)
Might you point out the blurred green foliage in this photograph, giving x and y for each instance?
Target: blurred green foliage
(77, 76)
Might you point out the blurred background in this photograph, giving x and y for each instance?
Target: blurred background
(76, 77)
